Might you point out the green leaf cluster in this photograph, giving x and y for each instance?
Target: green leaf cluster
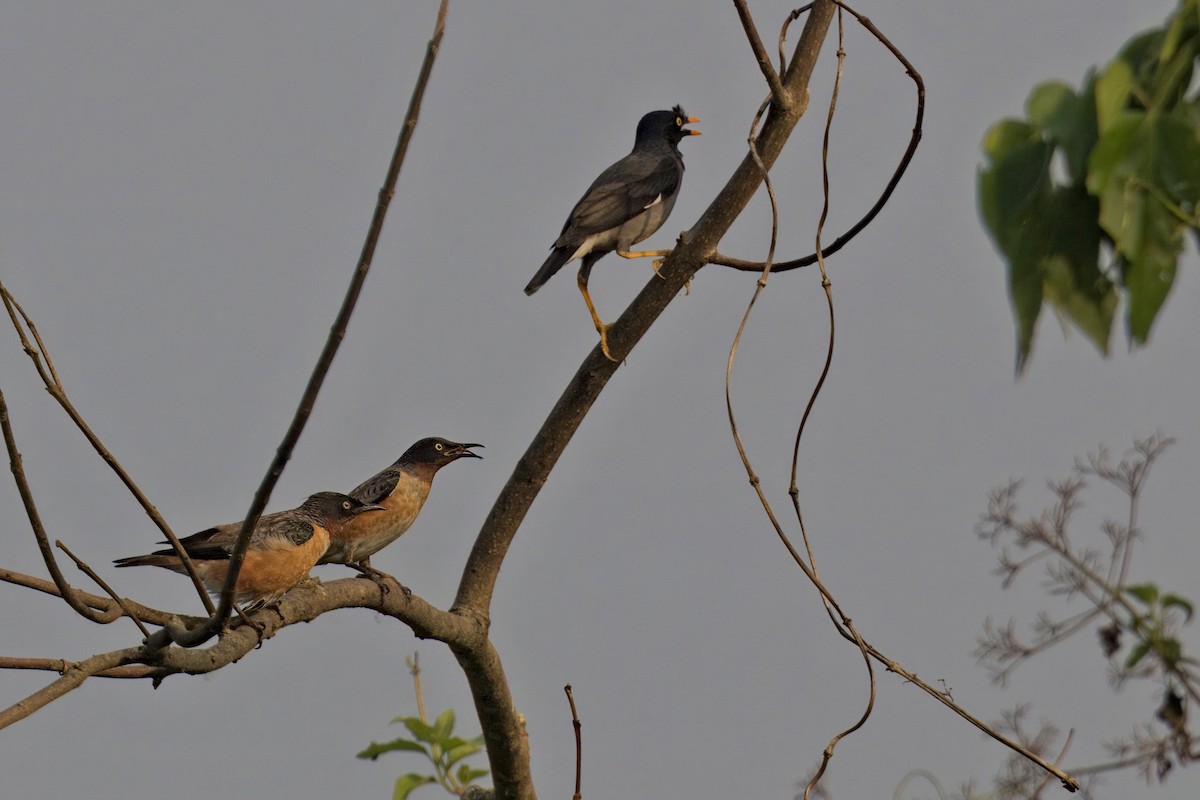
(1152, 629)
(438, 744)
(1089, 197)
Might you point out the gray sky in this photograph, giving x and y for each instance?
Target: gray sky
(186, 192)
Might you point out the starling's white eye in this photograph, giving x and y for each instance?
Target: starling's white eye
(438, 447)
(346, 505)
(679, 122)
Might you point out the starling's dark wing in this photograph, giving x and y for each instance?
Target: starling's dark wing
(375, 489)
(209, 543)
(218, 542)
(291, 525)
(622, 191)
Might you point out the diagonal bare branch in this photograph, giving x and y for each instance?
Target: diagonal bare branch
(778, 95)
(65, 590)
(91, 573)
(338, 332)
(54, 386)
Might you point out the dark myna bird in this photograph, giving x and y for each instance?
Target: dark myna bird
(625, 205)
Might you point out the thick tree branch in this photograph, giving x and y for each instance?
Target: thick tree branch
(691, 253)
(503, 728)
(157, 658)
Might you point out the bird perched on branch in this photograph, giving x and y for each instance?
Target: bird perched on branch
(625, 205)
(283, 548)
(400, 490)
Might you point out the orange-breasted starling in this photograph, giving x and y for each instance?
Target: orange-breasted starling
(283, 548)
(400, 490)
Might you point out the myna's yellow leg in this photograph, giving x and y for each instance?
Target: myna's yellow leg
(601, 328)
(643, 253)
(658, 256)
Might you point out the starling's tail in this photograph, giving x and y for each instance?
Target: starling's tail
(170, 562)
(559, 256)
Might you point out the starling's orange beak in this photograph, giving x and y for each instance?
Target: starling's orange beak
(691, 132)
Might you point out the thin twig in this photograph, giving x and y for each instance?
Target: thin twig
(86, 570)
(1061, 755)
(338, 332)
(1069, 783)
(414, 669)
(65, 590)
(59, 665)
(846, 627)
(778, 95)
(54, 386)
(145, 613)
(838, 243)
(575, 723)
(787, 23)
(73, 677)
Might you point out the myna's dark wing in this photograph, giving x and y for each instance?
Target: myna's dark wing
(375, 489)
(622, 192)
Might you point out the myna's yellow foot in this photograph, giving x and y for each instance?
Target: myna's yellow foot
(603, 329)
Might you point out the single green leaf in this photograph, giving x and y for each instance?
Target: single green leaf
(1113, 87)
(1051, 105)
(1077, 134)
(375, 749)
(1114, 156)
(1175, 601)
(420, 730)
(1177, 158)
(1012, 192)
(1004, 136)
(1137, 655)
(1070, 264)
(444, 724)
(451, 742)
(453, 756)
(466, 774)
(1146, 592)
(1126, 174)
(1176, 57)
(1140, 54)
(1170, 651)
(1152, 241)
(1181, 29)
(406, 783)
(1068, 120)
(404, 720)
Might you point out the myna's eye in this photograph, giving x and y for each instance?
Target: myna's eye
(438, 447)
